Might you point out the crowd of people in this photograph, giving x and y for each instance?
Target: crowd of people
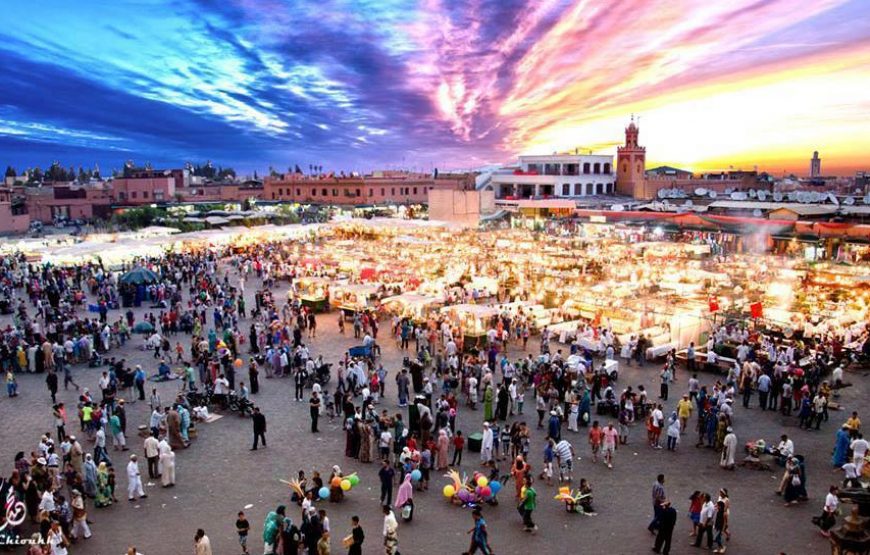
(196, 320)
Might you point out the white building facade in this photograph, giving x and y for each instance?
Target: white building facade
(557, 175)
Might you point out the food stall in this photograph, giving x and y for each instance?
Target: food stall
(355, 297)
(415, 306)
(313, 292)
(473, 320)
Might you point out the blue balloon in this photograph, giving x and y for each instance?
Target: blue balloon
(416, 475)
(324, 492)
(495, 486)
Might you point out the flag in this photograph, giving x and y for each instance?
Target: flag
(755, 310)
(714, 304)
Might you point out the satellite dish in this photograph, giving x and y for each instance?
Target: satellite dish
(617, 208)
(741, 195)
(688, 203)
(777, 197)
(756, 213)
(712, 194)
(753, 193)
(729, 190)
(734, 196)
(700, 191)
(762, 195)
(849, 201)
(662, 193)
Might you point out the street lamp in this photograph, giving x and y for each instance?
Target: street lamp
(852, 537)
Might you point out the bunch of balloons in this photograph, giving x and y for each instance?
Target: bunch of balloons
(346, 484)
(484, 490)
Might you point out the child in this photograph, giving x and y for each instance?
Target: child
(521, 396)
(547, 473)
(458, 446)
(112, 483)
(595, 434)
(505, 441)
(696, 501)
(242, 527)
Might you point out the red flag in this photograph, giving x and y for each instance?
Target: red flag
(714, 304)
(755, 310)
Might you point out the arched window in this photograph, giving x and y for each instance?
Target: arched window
(596, 168)
(607, 167)
(639, 167)
(586, 168)
(590, 189)
(624, 167)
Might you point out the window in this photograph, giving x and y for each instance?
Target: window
(313, 191)
(382, 191)
(590, 189)
(624, 167)
(639, 167)
(586, 168)
(578, 189)
(133, 194)
(392, 191)
(144, 194)
(596, 168)
(280, 192)
(298, 192)
(599, 188)
(606, 167)
(566, 189)
(158, 195)
(415, 190)
(324, 192)
(335, 192)
(371, 192)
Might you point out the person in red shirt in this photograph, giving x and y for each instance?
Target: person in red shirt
(595, 436)
(458, 446)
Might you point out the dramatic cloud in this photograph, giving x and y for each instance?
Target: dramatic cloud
(362, 84)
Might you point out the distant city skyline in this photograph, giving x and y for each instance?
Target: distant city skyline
(373, 84)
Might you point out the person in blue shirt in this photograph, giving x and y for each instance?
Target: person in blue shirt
(479, 535)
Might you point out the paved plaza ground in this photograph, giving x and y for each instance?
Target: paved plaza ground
(218, 475)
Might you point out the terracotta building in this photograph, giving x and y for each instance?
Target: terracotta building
(132, 191)
(13, 216)
(378, 188)
(47, 204)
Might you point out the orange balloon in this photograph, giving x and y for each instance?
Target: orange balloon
(336, 482)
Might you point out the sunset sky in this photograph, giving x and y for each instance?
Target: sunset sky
(369, 84)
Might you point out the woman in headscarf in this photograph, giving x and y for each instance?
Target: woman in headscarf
(290, 537)
(104, 492)
(441, 450)
(365, 446)
(90, 472)
(503, 400)
(336, 494)
(841, 447)
(167, 464)
(271, 530)
(673, 431)
(173, 427)
(405, 499)
(519, 471)
(487, 403)
(31, 496)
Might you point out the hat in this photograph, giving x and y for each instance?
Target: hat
(729, 429)
(120, 401)
(40, 460)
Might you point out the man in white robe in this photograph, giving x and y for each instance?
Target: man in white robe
(486, 444)
(729, 449)
(134, 480)
(167, 464)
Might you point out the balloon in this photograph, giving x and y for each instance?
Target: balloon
(324, 492)
(482, 481)
(495, 486)
(485, 492)
(478, 491)
(345, 485)
(448, 491)
(416, 475)
(463, 495)
(238, 363)
(354, 479)
(336, 482)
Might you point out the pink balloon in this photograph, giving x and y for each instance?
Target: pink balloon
(485, 491)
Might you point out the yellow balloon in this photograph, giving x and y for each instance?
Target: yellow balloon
(523, 491)
(345, 485)
(482, 481)
(448, 491)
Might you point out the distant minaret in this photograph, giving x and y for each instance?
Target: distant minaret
(630, 164)
(815, 165)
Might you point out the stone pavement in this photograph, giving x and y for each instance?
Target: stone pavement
(218, 475)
